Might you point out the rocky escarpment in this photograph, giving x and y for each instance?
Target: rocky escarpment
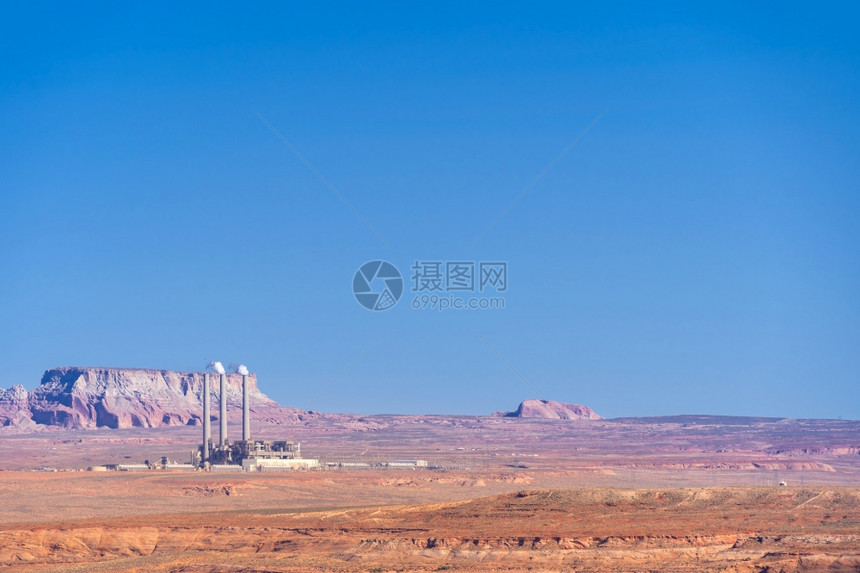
(734, 529)
(14, 407)
(73, 397)
(551, 410)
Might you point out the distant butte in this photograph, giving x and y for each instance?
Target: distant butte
(87, 398)
(550, 410)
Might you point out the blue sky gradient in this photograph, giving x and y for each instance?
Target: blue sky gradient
(697, 251)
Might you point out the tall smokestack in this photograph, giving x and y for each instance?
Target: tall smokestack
(207, 422)
(246, 415)
(223, 419)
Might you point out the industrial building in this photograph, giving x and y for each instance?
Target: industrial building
(247, 454)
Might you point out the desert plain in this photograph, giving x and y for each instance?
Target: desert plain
(686, 493)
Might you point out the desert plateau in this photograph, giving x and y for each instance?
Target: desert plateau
(545, 487)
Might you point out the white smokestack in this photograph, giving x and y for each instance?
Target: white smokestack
(223, 404)
(246, 407)
(207, 428)
(246, 400)
(216, 367)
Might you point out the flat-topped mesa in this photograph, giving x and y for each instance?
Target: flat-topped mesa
(76, 397)
(548, 409)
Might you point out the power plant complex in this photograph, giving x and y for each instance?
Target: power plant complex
(250, 455)
(247, 454)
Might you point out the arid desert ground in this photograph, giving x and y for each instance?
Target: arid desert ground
(672, 494)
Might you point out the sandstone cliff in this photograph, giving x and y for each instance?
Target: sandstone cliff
(550, 410)
(14, 407)
(73, 397)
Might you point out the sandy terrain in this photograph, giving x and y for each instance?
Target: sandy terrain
(675, 494)
(715, 449)
(420, 521)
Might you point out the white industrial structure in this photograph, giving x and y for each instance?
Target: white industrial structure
(247, 454)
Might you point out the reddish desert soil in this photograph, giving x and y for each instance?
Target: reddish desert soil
(674, 494)
(346, 521)
(711, 451)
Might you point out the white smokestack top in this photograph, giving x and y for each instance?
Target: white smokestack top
(242, 369)
(216, 367)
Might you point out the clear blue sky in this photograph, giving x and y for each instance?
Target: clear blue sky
(697, 251)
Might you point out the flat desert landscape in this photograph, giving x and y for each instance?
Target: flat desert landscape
(376, 521)
(692, 493)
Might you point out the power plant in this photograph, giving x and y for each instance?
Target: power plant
(250, 455)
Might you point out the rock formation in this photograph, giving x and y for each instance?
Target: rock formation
(14, 407)
(77, 398)
(550, 410)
